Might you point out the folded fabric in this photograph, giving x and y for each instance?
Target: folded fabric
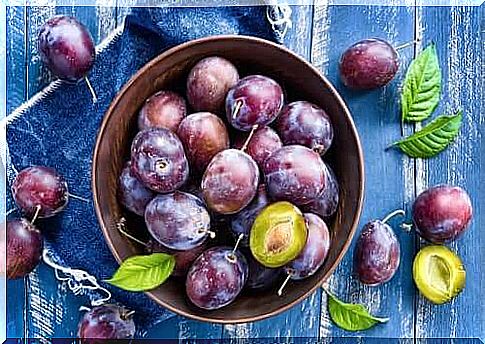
(59, 127)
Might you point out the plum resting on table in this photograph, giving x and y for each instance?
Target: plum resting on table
(368, 64)
(40, 187)
(165, 109)
(24, 248)
(66, 47)
(442, 213)
(208, 83)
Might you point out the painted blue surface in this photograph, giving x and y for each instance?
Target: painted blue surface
(320, 34)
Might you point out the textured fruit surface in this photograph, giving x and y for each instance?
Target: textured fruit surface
(132, 193)
(315, 251)
(242, 222)
(164, 109)
(158, 160)
(295, 174)
(106, 322)
(66, 47)
(438, 273)
(368, 64)
(442, 213)
(278, 234)
(254, 100)
(230, 181)
(177, 220)
(377, 253)
(304, 123)
(208, 83)
(260, 277)
(203, 135)
(216, 278)
(326, 204)
(40, 186)
(264, 142)
(24, 248)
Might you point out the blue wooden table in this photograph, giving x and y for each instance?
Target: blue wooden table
(40, 307)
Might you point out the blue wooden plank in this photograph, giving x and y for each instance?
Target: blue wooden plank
(455, 30)
(16, 88)
(389, 175)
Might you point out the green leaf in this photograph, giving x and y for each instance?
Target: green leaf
(141, 273)
(351, 317)
(433, 138)
(422, 86)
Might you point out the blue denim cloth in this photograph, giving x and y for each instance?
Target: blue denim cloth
(60, 129)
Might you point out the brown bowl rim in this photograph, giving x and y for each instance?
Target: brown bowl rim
(349, 119)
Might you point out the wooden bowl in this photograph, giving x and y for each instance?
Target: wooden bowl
(169, 71)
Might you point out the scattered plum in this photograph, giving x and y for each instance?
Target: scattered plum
(24, 248)
(178, 220)
(165, 109)
(203, 135)
(254, 100)
(158, 160)
(278, 234)
(264, 142)
(295, 174)
(106, 322)
(326, 204)
(216, 278)
(242, 222)
(208, 83)
(303, 123)
(66, 47)
(230, 181)
(368, 64)
(132, 193)
(442, 213)
(41, 190)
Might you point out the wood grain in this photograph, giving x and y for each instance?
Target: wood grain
(388, 175)
(461, 56)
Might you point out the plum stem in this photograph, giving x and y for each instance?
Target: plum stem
(36, 214)
(408, 44)
(78, 197)
(120, 226)
(285, 282)
(394, 213)
(236, 110)
(127, 315)
(246, 143)
(91, 89)
(231, 257)
(407, 226)
(84, 309)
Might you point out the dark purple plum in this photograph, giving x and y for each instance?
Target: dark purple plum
(216, 278)
(66, 47)
(230, 181)
(315, 251)
(24, 248)
(442, 213)
(178, 220)
(326, 204)
(106, 322)
(40, 187)
(295, 174)
(264, 142)
(368, 64)
(260, 277)
(164, 109)
(304, 123)
(183, 259)
(132, 193)
(158, 160)
(208, 83)
(203, 135)
(377, 253)
(254, 100)
(242, 222)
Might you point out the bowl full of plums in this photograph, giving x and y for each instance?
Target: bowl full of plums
(230, 168)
